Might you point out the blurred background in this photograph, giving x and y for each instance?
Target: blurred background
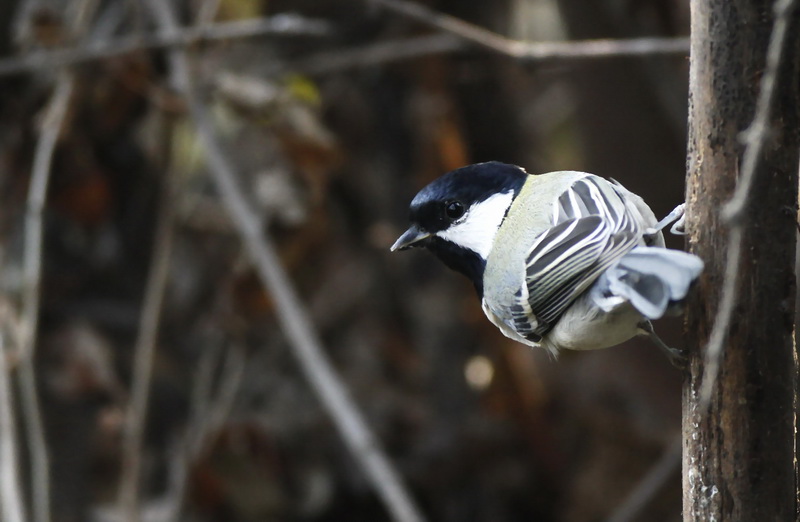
(332, 126)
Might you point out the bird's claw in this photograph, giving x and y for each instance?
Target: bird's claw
(677, 218)
(676, 356)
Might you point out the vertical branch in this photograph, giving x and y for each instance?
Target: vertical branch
(292, 316)
(738, 422)
(31, 282)
(143, 357)
(734, 212)
(52, 124)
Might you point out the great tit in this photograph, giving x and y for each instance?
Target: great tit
(563, 260)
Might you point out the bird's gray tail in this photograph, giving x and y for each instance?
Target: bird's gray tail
(650, 278)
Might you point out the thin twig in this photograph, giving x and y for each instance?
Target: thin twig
(218, 410)
(650, 485)
(278, 25)
(184, 448)
(292, 316)
(209, 409)
(755, 137)
(603, 48)
(209, 415)
(12, 505)
(450, 24)
(533, 51)
(722, 321)
(378, 53)
(143, 358)
(202, 388)
(419, 46)
(52, 124)
(177, 477)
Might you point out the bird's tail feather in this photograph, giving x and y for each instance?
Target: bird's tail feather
(650, 278)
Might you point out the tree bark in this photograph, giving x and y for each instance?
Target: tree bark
(738, 453)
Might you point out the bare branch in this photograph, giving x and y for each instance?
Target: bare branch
(451, 24)
(458, 34)
(599, 48)
(143, 358)
(208, 417)
(455, 38)
(291, 313)
(202, 391)
(327, 62)
(419, 46)
(209, 412)
(755, 137)
(52, 124)
(279, 25)
(12, 505)
(533, 51)
(216, 412)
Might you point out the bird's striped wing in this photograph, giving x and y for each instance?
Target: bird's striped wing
(592, 229)
(593, 196)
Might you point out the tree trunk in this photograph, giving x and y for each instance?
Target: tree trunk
(738, 454)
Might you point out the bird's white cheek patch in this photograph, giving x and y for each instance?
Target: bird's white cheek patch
(477, 228)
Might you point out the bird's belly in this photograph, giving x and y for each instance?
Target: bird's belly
(589, 328)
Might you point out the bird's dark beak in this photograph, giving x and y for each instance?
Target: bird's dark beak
(409, 237)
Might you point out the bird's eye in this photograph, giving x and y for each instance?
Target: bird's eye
(454, 209)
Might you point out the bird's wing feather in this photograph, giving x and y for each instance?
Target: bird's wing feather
(592, 229)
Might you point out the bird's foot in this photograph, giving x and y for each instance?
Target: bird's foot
(677, 218)
(676, 356)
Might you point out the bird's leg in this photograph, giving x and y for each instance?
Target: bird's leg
(676, 357)
(677, 217)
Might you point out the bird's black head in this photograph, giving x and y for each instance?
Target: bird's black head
(457, 215)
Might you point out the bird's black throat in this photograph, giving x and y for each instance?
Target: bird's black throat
(459, 259)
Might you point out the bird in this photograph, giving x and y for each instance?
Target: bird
(564, 260)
